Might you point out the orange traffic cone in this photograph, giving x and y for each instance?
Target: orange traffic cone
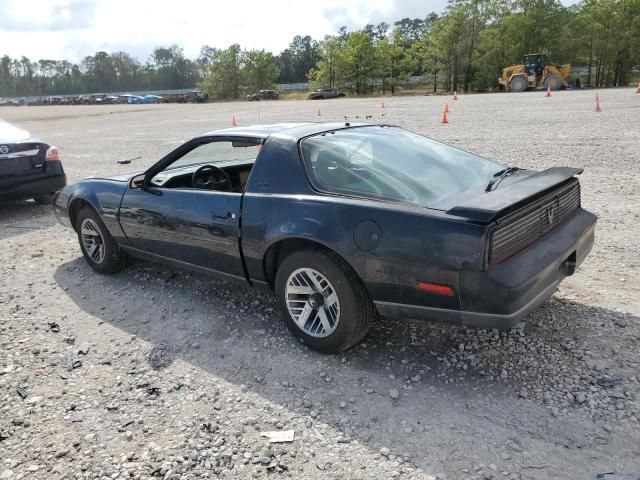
(638, 89)
(444, 115)
(548, 94)
(381, 103)
(446, 107)
(455, 95)
(233, 121)
(598, 103)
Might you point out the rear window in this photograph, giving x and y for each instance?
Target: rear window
(392, 163)
(12, 133)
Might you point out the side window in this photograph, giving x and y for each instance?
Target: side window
(230, 162)
(217, 152)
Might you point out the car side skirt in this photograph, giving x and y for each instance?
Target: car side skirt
(134, 252)
(463, 317)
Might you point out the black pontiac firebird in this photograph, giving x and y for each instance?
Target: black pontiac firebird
(344, 222)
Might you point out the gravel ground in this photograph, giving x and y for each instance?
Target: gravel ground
(158, 373)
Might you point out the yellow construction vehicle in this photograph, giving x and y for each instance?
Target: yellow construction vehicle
(535, 73)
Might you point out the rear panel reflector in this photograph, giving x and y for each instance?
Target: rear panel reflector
(435, 288)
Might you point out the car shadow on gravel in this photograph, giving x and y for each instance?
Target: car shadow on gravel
(405, 383)
(20, 217)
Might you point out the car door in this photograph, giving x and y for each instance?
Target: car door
(189, 225)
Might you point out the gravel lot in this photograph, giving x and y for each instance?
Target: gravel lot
(557, 399)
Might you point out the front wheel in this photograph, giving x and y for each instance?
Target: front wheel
(100, 250)
(553, 82)
(518, 84)
(322, 300)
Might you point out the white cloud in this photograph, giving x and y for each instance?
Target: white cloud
(75, 28)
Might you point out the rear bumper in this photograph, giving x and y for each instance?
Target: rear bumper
(30, 186)
(510, 291)
(464, 317)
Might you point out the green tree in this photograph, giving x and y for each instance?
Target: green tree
(171, 69)
(395, 62)
(467, 46)
(411, 29)
(260, 70)
(295, 62)
(360, 61)
(446, 40)
(223, 77)
(613, 39)
(330, 70)
(431, 57)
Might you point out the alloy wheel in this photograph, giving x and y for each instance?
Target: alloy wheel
(92, 240)
(312, 302)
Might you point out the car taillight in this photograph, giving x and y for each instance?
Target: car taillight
(52, 154)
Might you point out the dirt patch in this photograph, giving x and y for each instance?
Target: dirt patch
(556, 399)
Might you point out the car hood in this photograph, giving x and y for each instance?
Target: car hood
(125, 177)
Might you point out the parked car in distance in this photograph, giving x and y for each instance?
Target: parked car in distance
(29, 168)
(344, 222)
(14, 102)
(323, 93)
(196, 97)
(263, 95)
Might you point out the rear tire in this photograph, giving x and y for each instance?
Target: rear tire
(44, 199)
(100, 250)
(323, 301)
(554, 82)
(518, 84)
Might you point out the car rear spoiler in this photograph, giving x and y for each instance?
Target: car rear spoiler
(484, 207)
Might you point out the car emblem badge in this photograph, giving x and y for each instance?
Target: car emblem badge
(550, 214)
(4, 149)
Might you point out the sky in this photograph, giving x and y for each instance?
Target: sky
(72, 29)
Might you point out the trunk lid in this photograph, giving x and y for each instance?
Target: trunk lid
(20, 159)
(20, 153)
(479, 206)
(521, 212)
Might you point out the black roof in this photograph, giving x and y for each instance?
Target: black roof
(293, 131)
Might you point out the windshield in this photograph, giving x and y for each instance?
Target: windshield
(12, 133)
(394, 164)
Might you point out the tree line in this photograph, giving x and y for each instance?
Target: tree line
(464, 48)
(467, 47)
(166, 68)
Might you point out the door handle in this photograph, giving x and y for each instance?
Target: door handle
(223, 215)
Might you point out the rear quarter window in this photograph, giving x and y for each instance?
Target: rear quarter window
(393, 164)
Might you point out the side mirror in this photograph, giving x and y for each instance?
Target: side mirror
(137, 181)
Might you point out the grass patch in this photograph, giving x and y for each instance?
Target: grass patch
(296, 95)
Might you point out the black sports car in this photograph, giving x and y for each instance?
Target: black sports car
(324, 93)
(344, 222)
(263, 95)
(29, 168)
